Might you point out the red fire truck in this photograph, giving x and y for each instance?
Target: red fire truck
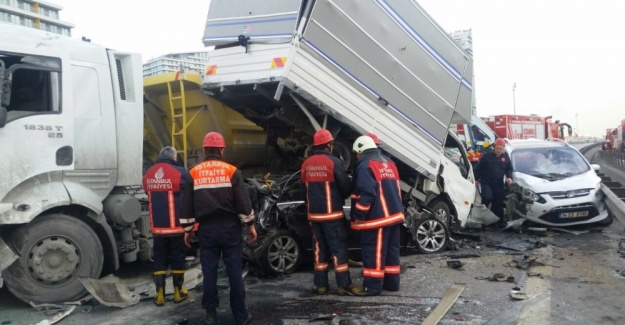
(527, 127)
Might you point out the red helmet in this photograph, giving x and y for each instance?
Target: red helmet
(375, 138)
(214, 140)
(322, 136)
(500, 142)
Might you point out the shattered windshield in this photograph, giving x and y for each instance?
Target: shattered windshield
(549, 163)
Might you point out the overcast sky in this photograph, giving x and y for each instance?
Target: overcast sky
(567, 57)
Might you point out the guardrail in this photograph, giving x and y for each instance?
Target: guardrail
(614, 192)
(614, 158)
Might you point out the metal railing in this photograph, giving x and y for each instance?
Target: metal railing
(614, 158)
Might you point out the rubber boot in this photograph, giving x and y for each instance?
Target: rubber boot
(211, 317)
(180, 294)
(159, 281)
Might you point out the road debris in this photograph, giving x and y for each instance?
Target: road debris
(569, 231)
(480, 217)
(517, 294)
(455, 264)
(497, 277)
(524, 262)
(317, 316)
(112, 291)
(58, 316)
(448, 299)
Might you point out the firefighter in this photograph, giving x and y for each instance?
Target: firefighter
(221, 206)
(326, 186)
(165, 183)
(378, 143)
(377, 212)
(490, 172)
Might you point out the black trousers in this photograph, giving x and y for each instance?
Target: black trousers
(217, 240)
(330, 241)
(494, 194)
(380, 258)
(169, 251)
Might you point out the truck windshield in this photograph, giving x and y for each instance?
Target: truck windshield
(35, 86)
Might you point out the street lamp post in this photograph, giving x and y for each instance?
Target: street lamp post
(513, 99)
(576, 125)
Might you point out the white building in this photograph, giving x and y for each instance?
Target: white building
(36, 14)
(196, 61)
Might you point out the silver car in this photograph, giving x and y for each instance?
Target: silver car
(554, 185)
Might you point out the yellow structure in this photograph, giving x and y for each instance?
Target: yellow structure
(177, 113)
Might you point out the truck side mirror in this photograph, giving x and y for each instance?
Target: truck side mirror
(3, 116)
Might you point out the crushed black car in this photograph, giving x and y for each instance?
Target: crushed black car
(284, 233)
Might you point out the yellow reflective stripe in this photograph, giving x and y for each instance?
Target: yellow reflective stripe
(321, 266)
(373, 273)
(325, 216)
(342, 267)
(370, 224)
(392, 269)
(362, 207)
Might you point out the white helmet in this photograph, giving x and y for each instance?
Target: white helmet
(363, 143)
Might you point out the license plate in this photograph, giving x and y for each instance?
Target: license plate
(577, 214)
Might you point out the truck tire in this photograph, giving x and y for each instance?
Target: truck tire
(54, 250)
(441, 211)
(281, 253)
(432, 236)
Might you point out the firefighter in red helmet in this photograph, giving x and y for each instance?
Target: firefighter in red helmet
(219, 203)
(326, 186)
(490, 172)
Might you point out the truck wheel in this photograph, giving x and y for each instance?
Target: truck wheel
(281, 253)
(54, 249)
(441, 211)
(432, 236)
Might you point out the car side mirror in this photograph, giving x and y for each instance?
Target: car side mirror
(595, 167)
(3, 116)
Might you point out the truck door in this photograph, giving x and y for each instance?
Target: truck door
(459, 182)
(37, 140)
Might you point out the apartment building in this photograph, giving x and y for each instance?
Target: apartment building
(36, 14)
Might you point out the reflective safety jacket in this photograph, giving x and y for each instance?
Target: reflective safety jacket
(165, 184)
(326, 186)
(376, 198)
(218, 193)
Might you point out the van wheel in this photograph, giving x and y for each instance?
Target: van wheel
(441, 211)
(54, 250)
(281, 253)
(431, 236)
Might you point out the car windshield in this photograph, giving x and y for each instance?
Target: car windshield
(549, 163)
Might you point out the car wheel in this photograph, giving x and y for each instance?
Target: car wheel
(281, 253)
(441, 211)
(431, 236)
(54, 250)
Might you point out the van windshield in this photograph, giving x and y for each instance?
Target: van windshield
(549, 163)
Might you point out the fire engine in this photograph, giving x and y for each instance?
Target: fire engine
(528, 127)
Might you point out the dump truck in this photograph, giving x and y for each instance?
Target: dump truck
(351, 67)
(79, 124)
